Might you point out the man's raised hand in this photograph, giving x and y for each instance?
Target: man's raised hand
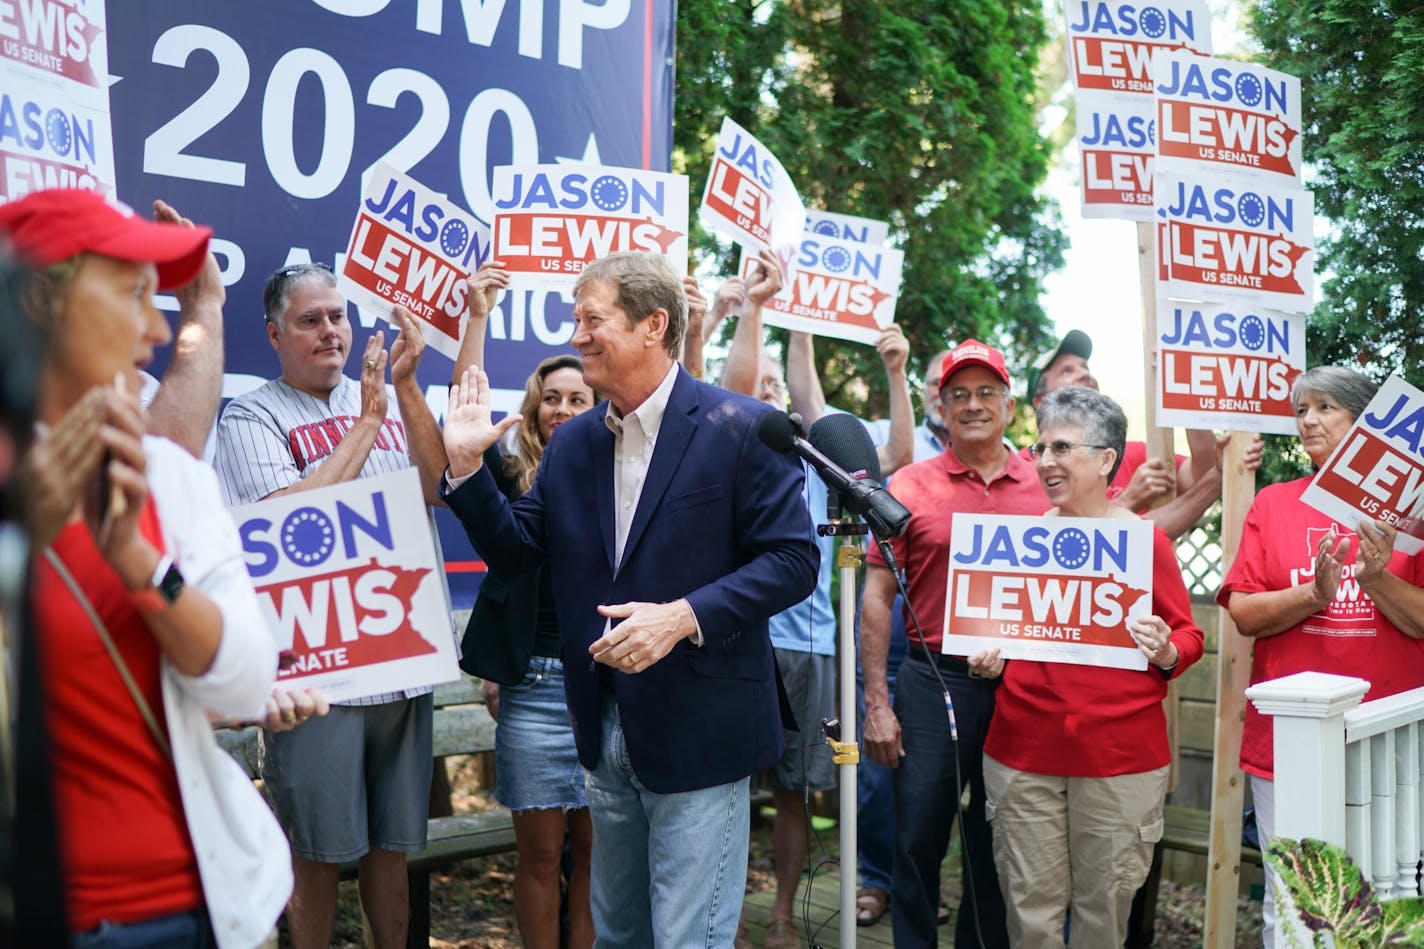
(893, 347)
(764, 279)
(469, 428)
(407, 348)
(484, 287)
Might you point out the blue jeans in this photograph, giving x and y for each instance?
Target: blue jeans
(875, 801)
(189, 930)
(668, 869)
(927, 792)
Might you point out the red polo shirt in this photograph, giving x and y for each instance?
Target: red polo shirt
(934, 490)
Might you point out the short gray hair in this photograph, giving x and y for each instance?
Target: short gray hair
(1099, 418)
(1352, 390)
(643, 283)
(276, 293)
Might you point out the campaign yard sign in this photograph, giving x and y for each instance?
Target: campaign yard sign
(1248, 243)
(1111, 44)
(847, 227)
(1053, 589)
(410, 246)
(1227, 368)
(1116, 142)
(551, 221)
(1230, 116)
(836, 288)
(54, 98)
(1377, 470)
(350, 581)
(749, 197)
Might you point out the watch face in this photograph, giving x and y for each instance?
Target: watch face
(171, 584)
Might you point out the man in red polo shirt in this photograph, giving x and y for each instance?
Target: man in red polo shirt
(976, 473)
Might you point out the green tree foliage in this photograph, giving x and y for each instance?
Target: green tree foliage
(1360, 63)
(921, 113)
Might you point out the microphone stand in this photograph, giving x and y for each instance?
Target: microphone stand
(846, 754)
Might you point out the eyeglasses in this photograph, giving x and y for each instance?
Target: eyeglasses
(960, 396)
(291, 269)
(1061, 449)
(274, 293)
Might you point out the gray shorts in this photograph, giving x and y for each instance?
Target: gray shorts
(811, 686)
(354, 780)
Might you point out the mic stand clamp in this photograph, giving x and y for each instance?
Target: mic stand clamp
(844, 528)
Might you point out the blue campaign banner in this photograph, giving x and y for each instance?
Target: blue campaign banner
(260, 119)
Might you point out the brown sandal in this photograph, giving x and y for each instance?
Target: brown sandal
(871, 902)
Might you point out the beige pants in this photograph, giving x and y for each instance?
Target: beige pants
(1080, 842)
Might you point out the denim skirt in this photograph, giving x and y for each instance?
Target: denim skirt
(536, 762)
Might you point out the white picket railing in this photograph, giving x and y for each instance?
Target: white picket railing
(1349, 772)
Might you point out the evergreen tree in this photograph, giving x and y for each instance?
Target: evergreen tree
(1360, 65)
(921, 113)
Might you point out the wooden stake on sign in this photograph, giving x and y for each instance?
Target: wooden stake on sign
(1159, 440)
(1228, 783)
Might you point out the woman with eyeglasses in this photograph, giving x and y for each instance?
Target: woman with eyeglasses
(1076, 759)
(512, 643)
(1317, 596)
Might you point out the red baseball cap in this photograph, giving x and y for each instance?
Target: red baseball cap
(971, 352)
(45, 227)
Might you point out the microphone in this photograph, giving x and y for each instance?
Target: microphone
(844, 440)
(886, 516)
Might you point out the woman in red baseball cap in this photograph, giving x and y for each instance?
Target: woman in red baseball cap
(143, 613)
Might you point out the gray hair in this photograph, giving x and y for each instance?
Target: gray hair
(276, 293)
(643, 283)
(1099, 418)
(1352, 390)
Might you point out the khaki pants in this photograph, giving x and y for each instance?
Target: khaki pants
(1084, 842)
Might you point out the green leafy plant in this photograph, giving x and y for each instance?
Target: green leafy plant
(1331, 895)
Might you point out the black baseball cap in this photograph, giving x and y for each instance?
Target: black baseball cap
(1074, 343)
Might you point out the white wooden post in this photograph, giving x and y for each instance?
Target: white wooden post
(1406, 808)
(1381, 867)
(1308, 709)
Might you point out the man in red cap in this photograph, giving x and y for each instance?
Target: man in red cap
(46, 227)
(976, 473)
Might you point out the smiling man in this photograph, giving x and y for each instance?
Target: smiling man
(976, 473)
(672, 534)
(354, 785)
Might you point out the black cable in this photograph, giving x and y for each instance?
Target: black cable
(889, 555)
(806, 746)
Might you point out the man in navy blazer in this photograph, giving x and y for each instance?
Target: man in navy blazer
(672, 534)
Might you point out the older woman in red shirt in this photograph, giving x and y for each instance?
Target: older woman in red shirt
(1317, 596)
(1075, 763)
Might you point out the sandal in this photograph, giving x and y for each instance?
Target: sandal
(871, 902)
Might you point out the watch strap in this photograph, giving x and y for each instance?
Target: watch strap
(162, 589)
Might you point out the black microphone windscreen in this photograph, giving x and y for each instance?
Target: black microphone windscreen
(776, 431)
(843, 439)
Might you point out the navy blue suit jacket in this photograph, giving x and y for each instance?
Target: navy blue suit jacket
(721, 522)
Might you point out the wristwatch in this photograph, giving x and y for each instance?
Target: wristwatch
(162, 590)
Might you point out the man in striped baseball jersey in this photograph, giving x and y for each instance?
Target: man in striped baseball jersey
(354, 785)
